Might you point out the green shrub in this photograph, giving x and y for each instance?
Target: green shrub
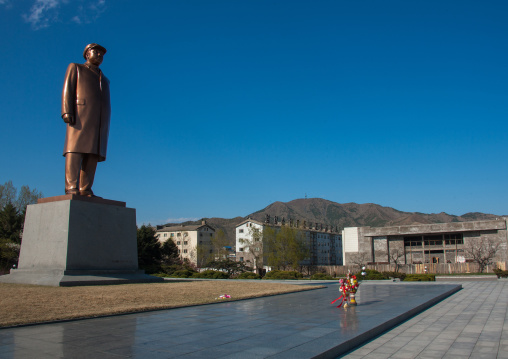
(183, 273)
(420, 278)
(279, 274)
(400, 275)
(170, 269)
(249, 275)
(320, 276)
(371, 275)
(501, 273)
(211, 274)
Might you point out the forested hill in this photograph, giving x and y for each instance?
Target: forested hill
(341, 215)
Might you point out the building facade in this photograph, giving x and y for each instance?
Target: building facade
(194, 242)
(423, 243)
(324, 244)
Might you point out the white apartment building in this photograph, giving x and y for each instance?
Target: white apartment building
(325, 245)
(193, 241)
(245, 244)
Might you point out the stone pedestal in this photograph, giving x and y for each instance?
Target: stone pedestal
(74, 240)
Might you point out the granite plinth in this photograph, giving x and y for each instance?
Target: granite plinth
(76, 197)
(76, 240)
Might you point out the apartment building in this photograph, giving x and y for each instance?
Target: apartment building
(324, 243)
(194, 242)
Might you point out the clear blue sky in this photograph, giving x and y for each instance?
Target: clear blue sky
(220, 108)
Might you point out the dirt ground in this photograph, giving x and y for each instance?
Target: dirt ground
(24, 304)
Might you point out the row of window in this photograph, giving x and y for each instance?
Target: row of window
(178, 234)
(185, 251)
(433, 243)
(256, 249)
(434, 240)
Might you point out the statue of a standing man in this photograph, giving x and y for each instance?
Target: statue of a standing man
(86, 108)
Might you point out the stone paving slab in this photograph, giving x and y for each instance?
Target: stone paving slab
(473, 323)
(296, 325)
(468, 278)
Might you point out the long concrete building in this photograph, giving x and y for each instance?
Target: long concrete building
(324, 243)
(423, 243)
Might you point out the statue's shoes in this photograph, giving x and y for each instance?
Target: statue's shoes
(88, 194)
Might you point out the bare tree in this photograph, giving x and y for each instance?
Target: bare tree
(7, 193)
(21, 199)
(482, 251)
(254, 247)
(396, 256)
(359, 259)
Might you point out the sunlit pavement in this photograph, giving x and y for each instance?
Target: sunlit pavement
(472, 323)
(296, 325)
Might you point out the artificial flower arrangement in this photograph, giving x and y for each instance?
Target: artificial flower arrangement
(348, 289)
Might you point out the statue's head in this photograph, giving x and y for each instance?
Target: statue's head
(94, 53)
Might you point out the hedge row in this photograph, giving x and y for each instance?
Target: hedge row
(375, 275)
(279, 274)
(501, 273)
(293, 275)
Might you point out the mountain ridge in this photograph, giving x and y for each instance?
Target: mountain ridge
(329, 213)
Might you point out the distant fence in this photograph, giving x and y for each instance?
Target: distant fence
(434, 268)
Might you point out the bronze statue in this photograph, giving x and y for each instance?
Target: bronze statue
(86, 108)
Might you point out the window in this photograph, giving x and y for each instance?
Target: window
(178, 242)
(185, 250)
(241, 259)
(240, 231)
(453, 239)
(201, 234)
(413, 241)
(165, 234)
(240, 249)
(185, 243)
(211, 250)
(172, 234)
(178, 234)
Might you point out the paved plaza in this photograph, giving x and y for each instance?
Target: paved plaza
(472, 323)
(467, 324)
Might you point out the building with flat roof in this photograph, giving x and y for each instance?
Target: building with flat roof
(424, 243)
(194, 242)
(324, 243)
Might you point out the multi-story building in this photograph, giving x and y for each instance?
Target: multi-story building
(423, 243)
(325, 247)
(324, 243)
(194, 242)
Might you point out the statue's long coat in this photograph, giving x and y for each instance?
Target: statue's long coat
(85, 96)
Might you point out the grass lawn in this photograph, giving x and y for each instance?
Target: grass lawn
(25, 304)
